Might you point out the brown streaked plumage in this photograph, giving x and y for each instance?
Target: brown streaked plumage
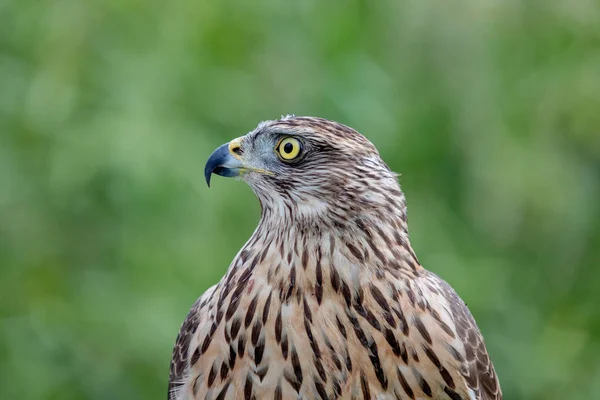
(327, 298)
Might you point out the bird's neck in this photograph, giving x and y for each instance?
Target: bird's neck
(326, 258)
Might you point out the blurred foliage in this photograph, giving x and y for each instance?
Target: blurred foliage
(109, 109)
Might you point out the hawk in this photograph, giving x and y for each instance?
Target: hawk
(327, 299)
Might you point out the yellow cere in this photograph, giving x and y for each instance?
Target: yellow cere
(289, 148)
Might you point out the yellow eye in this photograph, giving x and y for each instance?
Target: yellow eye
(289, 148)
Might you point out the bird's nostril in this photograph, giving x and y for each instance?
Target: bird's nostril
(237, 150)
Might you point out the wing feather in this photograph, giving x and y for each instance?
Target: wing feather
(180, 357)
(479, 375)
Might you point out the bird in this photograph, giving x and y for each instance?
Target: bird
(327, 299)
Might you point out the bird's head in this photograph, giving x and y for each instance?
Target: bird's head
(306, 169)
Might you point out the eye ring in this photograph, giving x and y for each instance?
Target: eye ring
(288, 148)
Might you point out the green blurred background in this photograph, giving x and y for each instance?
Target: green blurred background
(109, 109)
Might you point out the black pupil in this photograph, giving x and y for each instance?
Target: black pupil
(288, 147)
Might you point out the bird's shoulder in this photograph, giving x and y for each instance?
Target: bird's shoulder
(180, 357)
(477, 370)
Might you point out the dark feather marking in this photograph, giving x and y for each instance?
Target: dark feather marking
(244, 255)
(364, 384)
(421, 328)
(195, 356)
(355, 252)
(284, 347)
(313, 343)
(403, 323)
(360, 334)
(241, 346)
(292, 285)
(347, 294)
(296, 366)
(212, 375)
(411, 297)
(321, 390)
(232, 356)
(254, 263)
(422, 303)
(405, 386)
(452, 394)
(334, 355)
(304, 258)
(276, 272)
(423, 384)
(281, 252)
(447, 377)
(374, 356)
(278, 393)
(331, 246)
(278, 327)
(391, 339)
(206, 343)
(248, 388)
(432, 289)
(320, 369)
(359, 296)
(224, 371)
(399, 239)
(265, 251)
(291, 379)
(415, 355)
(432, 356)
(262, 372)
(412, 254)
(226, 335)
(395, 293)
(337, 390)
(446, 329)
(258, 352)
(373, 320)
(411, 264)
(223, 391)
(341, 327)
(235, 328)
(319, 278)
(256, 329)
(385, 237)
(307, 312)
(219, 317)
(457, 356)
(389, 319)
(266, 309)
(251, 310)
(195, 386)
(379, 298)
(380, 256)
(404, 353)
(335, 279)
(348, 361)
(244, 277)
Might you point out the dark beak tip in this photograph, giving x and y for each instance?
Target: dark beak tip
(215, 161)
(207, 175)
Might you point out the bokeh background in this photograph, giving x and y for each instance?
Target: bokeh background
(109, 109)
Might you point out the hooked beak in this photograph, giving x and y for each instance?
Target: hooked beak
(223, 162)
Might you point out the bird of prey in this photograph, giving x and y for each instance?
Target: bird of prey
(327, 299)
